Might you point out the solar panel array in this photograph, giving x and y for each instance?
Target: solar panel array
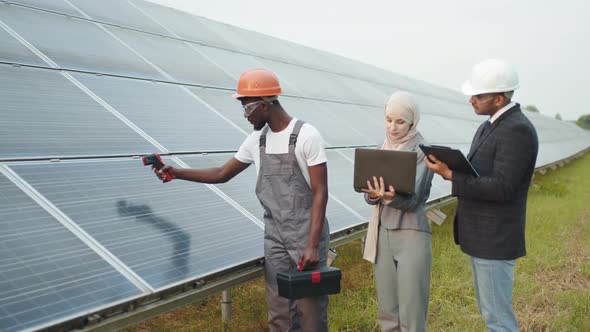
(86, 86)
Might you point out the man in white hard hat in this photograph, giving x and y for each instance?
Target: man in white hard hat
(489, 224)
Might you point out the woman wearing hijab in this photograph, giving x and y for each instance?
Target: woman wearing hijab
(399, 236)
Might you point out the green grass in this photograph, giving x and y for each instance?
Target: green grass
(552, 283)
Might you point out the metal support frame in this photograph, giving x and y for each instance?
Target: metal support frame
(167, 304)
(226, 306)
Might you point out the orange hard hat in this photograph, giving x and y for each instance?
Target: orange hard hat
(258, 83)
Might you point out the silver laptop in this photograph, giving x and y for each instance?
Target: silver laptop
(398, 168)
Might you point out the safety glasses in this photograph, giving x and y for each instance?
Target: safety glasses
(251, 107)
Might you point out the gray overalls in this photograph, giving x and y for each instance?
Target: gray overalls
(287, 198)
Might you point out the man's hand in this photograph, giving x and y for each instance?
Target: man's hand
(310, 258)
(377, 190)
(161, 173)
(438, 167)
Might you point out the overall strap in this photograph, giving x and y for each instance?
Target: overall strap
(295, 133)
(262, 142)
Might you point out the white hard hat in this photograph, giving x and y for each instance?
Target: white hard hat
(491, 76)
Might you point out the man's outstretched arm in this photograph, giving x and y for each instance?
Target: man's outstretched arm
(220, 174)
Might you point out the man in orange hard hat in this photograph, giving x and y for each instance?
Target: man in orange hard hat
(292, 187)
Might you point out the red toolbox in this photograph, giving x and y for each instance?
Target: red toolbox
(297, 284)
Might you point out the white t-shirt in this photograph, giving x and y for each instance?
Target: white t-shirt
(309, 150)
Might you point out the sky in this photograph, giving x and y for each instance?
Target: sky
(437, 41)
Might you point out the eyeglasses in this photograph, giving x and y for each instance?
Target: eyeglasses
(251, 107)
(480, 99)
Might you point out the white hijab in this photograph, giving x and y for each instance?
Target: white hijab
(403, 105)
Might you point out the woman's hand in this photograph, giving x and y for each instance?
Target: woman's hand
(377, 190)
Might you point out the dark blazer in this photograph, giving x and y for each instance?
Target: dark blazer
(491, 209)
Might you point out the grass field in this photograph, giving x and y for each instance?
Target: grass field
(552, 283)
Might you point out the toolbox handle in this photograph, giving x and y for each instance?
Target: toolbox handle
(316, 276)
(300, 266)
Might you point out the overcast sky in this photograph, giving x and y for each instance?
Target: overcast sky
(435, 41)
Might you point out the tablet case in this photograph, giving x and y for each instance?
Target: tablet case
(454, 158)
(398, 168)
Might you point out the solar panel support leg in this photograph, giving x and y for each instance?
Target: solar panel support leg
(363, 239)
(226, 309)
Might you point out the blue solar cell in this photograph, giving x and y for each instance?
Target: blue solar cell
(74, 43)
(117, 12)
(45, 115)
(184, 25)
(59, 6)
(14, 51)
(181, 60)
(168, 113)
(341, 171)
(46, 272)
(242, 190)
(166, 233)
(330, 119)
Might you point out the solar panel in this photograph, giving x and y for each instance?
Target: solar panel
(15, 52)
(441, 130)
(46, 272)
(340, 176)
(45, 115)
(222, 101)
(310, 83)
(168, 113)
(166, 233)
(184, 25)
(74, 43)
(269, 46)
(242, 189)
(334, 128)
(365, 120)
(233, 63)
(59, 6)
(101, 231)
(184, 63)
(118, 12)
(362, 91)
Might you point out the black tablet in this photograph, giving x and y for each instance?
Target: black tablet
(454, 158)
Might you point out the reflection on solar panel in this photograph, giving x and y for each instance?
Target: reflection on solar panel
(98, 83)
(150, 227)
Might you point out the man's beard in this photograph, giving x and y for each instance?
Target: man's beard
(259, 125)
